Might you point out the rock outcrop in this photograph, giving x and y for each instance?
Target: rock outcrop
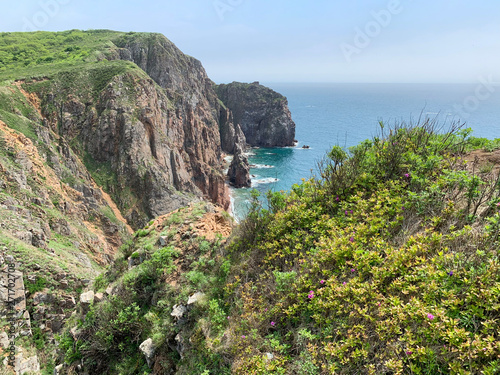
(262, 113)
(239, 171)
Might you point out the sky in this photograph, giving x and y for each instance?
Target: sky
(438, 41)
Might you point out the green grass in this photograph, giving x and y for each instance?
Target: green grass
(20, 52)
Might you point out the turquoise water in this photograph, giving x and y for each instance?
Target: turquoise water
(346, 114)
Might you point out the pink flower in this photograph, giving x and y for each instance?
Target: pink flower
(322, 282)
(273, 324)
(344, 283)
(409, 352)
(353, 270)
(430, 316)
(407, 175)
(243, 337)
(310, 295)
(351, 239)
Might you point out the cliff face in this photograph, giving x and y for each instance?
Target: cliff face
(156, 129)
(262, 113)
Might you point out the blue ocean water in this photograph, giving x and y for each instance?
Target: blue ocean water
(346, 114)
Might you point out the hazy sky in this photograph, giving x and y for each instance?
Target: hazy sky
(298, 40)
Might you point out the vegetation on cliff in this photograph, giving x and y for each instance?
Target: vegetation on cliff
(385, 264)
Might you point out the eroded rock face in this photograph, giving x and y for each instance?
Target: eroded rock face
(262, 113)
(158, 132)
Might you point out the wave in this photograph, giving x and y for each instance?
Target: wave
(261, 166)
(262, 181)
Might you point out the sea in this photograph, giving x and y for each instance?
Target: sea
(328, 114)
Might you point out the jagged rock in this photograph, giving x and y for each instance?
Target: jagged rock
(135, 259)
(262, 113)
(84, 260)
(147, 348)
(29, 365)
(232, 136)
(25, 236)
(63, 284)
(39, 239)
(58, 370)
(178, 311)
(180, 345)
(69, 302)
(109, 290)
(99, 297)
(87, 298)
(32, 279)
(61, 226)
(239, 171)
(163, 241)
(196, 298)
(40, 297)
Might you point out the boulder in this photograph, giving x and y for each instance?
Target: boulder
(196, 298)
(87, 298)
(147, 348)
(178, 311)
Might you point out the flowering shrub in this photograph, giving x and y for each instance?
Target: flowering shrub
(396, 252)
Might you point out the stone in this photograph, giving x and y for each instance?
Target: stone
(29, 365)
(196, 298)
(87, 298)
(147, 348)
(178, 311)
(99, 297)
(39, 239)
(24, 236)
(179, 345)
(58, 370)
(63, 284)
(163, 241)
(40, 297)
(135, 259)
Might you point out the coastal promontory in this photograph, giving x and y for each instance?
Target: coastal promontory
(262, 113)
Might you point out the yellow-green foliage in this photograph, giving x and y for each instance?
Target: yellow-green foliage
(387, 264)
(394, 257)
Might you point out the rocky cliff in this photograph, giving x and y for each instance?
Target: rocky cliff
(100, 132)
(262, 113)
